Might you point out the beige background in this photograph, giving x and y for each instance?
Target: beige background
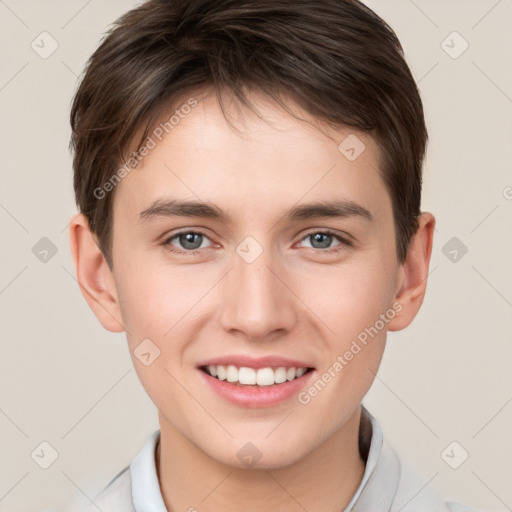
(66, 381)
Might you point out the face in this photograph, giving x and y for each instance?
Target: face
(258, 279)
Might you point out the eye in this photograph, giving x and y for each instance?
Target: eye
(193, 241)
(323, 240)
(189, 240)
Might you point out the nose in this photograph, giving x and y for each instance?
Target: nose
(257, 298)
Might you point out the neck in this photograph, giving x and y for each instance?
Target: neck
(322, 481)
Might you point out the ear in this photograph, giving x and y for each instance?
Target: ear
(412, 283)
(94, 276)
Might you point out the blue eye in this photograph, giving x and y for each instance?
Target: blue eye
(322, 240)
(192, 242)
(189, 240)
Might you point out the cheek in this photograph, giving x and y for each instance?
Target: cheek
(347, 298)
(154, 298)
(157, 298)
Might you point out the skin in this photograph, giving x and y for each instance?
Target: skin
(295, 300)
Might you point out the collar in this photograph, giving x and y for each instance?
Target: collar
(381, 476)
(375, 492)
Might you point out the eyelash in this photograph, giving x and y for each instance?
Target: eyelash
(343, 245)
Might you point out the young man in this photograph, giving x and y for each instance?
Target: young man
(248, 175)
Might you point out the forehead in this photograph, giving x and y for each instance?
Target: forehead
(278, 160)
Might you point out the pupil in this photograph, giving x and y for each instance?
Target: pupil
(187, 240)
(317, 237)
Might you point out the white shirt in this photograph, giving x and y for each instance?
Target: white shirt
(386, 486)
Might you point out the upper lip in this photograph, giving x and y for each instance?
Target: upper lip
(255, 362)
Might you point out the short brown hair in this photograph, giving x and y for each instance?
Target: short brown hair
(336, 59)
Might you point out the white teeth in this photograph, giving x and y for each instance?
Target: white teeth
(250, 376)
(265, 377)
(247, 375)
(280, 375)
(290, 373)
(221, 372)
(231, 373)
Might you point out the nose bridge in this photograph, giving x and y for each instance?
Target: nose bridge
(255, 299)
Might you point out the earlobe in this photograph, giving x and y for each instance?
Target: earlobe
(94, 275)
(414, 273)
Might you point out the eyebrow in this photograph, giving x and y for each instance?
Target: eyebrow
(342, 208)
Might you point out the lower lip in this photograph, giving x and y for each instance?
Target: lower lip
(257, 396)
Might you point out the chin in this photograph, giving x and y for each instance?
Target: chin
(258, 454)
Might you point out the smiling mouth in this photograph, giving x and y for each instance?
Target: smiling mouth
(246, 376)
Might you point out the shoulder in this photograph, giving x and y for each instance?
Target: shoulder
(454, 506)
(116, 496)
(416, 494)
(137, 484)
